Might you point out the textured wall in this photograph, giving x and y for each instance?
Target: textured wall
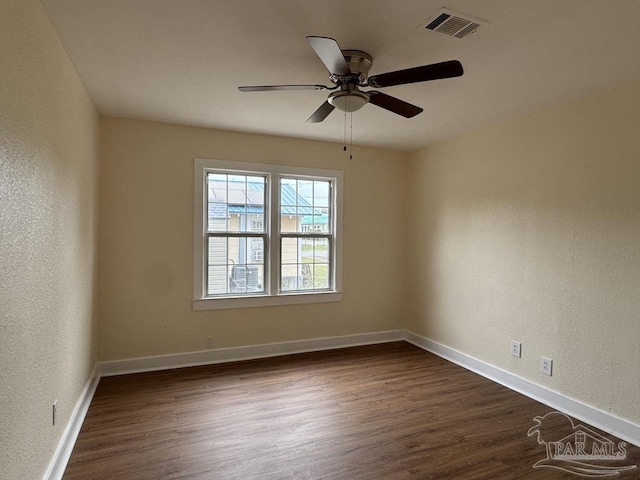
(48, 195)
(146, 241)
(531, 231)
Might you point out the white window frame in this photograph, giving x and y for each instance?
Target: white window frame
(272, 295)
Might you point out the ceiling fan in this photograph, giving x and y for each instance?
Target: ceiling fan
(349, 70)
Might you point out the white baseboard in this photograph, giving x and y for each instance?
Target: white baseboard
(61, 456)
(621, 428)
(222, 355)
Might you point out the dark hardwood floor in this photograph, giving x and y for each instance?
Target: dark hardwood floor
(388, 411)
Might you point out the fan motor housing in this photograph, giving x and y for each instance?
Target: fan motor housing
(359, 63)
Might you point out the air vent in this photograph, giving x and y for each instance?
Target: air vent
(453, 24)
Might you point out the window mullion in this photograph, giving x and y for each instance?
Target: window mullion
(274, 235)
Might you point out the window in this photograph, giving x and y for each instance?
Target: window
(305, 253)
(265, 235)
(234, 245)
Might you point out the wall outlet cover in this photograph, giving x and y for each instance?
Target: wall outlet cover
(516, 349)
(546, 366)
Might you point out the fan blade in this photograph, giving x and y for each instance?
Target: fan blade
(436, 71)
(393, 104)
(321, 113)
(329, 52)
(273, 88)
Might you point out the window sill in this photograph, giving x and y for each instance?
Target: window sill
(265, 300)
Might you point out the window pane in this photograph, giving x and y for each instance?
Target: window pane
(256, 251)
(234, 250)
(217, 280)
(288, 192)
(321, 276)
(217, 202)
(235, 203)
(305, 191)
(235, 265)
(320, 250)
(288, 205)
(305, 264)
(218, 251)
(257, 223)
(289, 252)
(305, 206)
(218, 266)
(321, 193)
(246, 278)
(316, 223)
(289, 223)
(289, 262)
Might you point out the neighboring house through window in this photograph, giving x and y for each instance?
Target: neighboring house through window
(266, 235)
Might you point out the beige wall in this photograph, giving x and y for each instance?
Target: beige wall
(531, 231)
(48, 195)
(146, 241)
(527, 231)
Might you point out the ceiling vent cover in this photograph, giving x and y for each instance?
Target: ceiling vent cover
(453, 24)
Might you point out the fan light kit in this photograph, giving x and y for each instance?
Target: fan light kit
(349, 70)
(348, 101)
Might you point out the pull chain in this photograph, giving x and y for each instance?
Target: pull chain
(344, 140)
(351, 136)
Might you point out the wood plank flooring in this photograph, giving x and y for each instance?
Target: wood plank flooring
(388, 411)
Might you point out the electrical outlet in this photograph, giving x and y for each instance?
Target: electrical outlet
(546, 366)
(54, 409)
(208, 343)
(515, 348)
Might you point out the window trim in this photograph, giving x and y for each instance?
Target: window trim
(273, 295)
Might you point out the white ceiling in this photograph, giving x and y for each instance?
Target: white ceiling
(181, 61)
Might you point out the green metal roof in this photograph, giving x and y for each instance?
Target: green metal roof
(322, 219)
(288, 198)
